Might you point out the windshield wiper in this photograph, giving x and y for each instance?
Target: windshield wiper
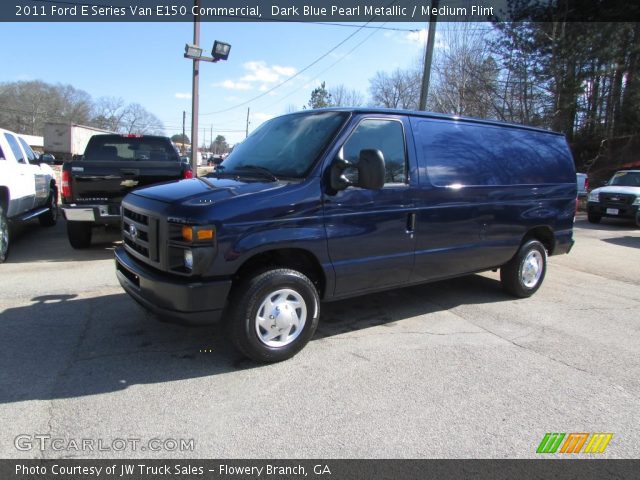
(220, 171)
(265, 172)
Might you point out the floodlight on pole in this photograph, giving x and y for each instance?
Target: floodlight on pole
(220, 51)
(192, 51)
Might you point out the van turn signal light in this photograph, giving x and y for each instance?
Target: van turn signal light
(200, 233)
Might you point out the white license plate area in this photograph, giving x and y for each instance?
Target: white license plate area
(79, 214)
(612, 211)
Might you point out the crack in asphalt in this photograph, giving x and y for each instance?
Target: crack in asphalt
(62, 372)
(130, 352)
(542, 354)
(608, 279)
(406, 332)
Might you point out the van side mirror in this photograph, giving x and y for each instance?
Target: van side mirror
(371, 171)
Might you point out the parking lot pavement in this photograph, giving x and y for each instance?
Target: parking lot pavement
(452, 369)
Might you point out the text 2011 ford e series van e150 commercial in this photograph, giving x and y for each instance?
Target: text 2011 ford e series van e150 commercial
(327, 204)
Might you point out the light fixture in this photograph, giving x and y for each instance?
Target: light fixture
(192, 51)
(220, 50)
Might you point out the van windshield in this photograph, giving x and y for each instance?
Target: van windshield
(626, 179)
(286, 146)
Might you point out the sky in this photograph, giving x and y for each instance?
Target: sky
(144, 63)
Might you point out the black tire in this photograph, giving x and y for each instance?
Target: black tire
(244, 327)
(79, 234)
(50, 218)
(520, 277)
(594, 217)
(4, 235)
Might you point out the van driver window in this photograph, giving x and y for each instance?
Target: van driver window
(386, 136)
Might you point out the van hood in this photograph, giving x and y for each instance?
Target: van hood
(617, 189)
(205, 190)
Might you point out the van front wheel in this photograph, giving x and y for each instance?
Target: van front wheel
(524, 273)
(274, 315)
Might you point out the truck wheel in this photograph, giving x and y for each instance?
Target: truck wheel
(4, 235)
(274, 315)
(50, 217)
(594, 217)
(524, 273)
(79, 234)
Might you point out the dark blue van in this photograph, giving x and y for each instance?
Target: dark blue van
(327, 204)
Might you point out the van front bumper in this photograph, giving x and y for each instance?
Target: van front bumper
(170, 298)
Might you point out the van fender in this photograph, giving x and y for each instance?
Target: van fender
(311, 239)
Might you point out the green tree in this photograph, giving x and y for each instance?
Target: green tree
(180, 138)
(219, 145)
(320, 97)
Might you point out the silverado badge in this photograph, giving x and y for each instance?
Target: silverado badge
(129, 183)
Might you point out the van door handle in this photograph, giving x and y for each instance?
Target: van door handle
(411, 222)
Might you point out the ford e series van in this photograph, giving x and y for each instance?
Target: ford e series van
(327, 204)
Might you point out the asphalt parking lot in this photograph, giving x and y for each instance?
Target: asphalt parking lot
(454, 369)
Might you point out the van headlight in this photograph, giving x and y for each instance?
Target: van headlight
(595, 197)
(191, 248)
(637, 201)
(188, 259)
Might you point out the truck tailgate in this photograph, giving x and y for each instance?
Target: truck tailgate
(107, 181)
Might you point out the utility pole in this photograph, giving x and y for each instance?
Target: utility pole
(195, 91)
(184, 120)
(431, 37)
(246, 132)
(210, 137)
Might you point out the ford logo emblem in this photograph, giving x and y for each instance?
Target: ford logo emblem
(133, 231)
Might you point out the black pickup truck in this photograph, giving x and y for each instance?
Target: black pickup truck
(113, 165)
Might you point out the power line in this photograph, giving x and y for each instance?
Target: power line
(287, 80)
(297, 74)
(394, 29)
(328, 68)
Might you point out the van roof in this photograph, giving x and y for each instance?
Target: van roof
(415, 113)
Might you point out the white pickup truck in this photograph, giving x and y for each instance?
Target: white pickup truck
(27, 187)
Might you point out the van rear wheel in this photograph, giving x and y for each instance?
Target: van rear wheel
(524, 273)
(274, 315)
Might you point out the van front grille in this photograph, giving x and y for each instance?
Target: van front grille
(140, 234)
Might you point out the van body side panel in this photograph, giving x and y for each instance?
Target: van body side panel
(483, 187)
(282, 217)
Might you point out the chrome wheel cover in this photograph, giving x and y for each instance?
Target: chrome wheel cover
(531, 269)
(281, 317)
